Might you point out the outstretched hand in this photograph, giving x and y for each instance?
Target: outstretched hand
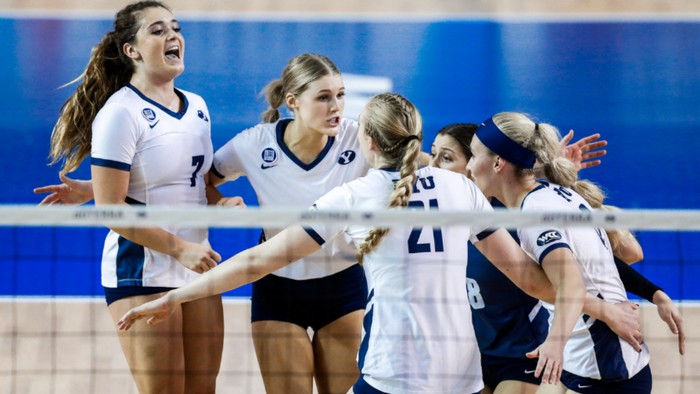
(585, 152)
(154, 311)
(672, 316)
(550, 360)
(70, 191)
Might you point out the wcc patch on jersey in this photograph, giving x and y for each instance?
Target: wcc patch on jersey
(346, 157)
(202, 115)
(548, 237)
(149, 114)
(269, 157)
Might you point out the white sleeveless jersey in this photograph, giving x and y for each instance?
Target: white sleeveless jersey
(593, 351)
(417, 333)
(280, 179)
(167, 155)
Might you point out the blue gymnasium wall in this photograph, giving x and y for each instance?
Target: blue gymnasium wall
(635, 82)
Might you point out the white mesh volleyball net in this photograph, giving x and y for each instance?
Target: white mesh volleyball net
(56, 334)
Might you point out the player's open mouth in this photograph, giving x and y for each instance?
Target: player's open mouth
(173, 52)
(334, 121)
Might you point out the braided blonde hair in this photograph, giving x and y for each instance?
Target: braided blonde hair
(396, 127)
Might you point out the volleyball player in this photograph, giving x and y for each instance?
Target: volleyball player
(291, 162)
(509, 323)
(150, 144)
(416, 328)
(503, 156)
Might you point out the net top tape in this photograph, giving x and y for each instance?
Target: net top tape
(254, 217)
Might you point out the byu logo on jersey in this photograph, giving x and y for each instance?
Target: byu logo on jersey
(269, 157)
(548, 237)
(346, 157)
(202, 115)
(149, 114)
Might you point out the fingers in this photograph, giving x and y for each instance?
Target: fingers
(231, 202)
(594, 154)
(127, 320)
(638, 341)
(541, 364)
(210, 264)
(49, 200)
(671, 322)
(550, 369)
(567, 138)
(635, 339)
(46, 189)
(589, 164)
(681, 340)
(680, 327)
(593, 145)
(591, 141)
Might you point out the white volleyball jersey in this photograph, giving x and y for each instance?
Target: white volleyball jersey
(280, 179)
(167, 155)
(593, 351)
(417, 333)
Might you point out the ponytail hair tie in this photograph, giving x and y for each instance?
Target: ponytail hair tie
(409, 139)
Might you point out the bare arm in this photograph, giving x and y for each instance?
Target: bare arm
(626, 247)
(243, 268)
(110, 187)
(561, 267)
(504, 253)
(512, 261)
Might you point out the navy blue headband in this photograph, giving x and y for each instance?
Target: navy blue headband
(493, 138)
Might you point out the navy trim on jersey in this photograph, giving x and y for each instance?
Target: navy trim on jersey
(362, 387)
(608, 352)
(117, 165)
(281, 127)
(552, 248)
(130, 261)
(482, 235)
(132, 201)
(316, 236)
(367, 325)
(214, 171)
(176, 115)
(541, 186)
